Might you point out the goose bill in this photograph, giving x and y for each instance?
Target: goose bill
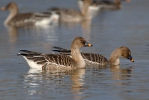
(131, 59)
(88, 45)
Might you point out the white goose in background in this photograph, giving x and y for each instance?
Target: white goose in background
(101, 60)
(22, 19)
(71, 15)
(57, 61)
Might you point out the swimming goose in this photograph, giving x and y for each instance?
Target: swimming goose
(68, 15)
(101, 60)
(112, 5)
(57, 61)
(21, 19)
(71, 15)
(105, 4)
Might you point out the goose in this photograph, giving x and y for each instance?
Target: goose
(112, 5)
(22, 19)
(122, 51)
(72, 15)
(57, 61)
(105, 4)
(68, 15)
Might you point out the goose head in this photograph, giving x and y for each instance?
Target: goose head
(80, 42)
(126, 53)
(11, 7)
(120, 52)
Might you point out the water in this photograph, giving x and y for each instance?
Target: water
(109, 30)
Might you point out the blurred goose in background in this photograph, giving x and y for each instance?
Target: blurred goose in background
(57, 61)
(22, 19)
(94, 5)
(112, 5)
(101, 60)
(105, 4)
(71, 15)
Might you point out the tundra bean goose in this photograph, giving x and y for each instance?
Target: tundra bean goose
(21, 19)
(57, 61)
(71, 15)
(112, 5)
(101, 60)
(105, 4)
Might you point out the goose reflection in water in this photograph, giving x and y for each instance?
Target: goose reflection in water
(119, 73)
(46, 82)
(77, 79)
(12, 34)
(34, 32)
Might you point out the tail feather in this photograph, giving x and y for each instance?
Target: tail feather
(62, 50)
(23, 54)
(56, 50)
(59, 48)
(28, 53)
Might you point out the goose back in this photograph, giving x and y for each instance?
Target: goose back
(95, 58)
(68, 15)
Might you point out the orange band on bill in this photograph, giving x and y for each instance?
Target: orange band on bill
(89, 45)
(132, 60)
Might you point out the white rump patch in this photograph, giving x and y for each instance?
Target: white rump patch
(33, 64)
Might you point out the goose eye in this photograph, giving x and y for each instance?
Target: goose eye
(83, 41)
(129, 57)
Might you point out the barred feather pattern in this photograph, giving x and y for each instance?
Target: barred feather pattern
(62, 61)
(43, 61)
(49, 61)
(95, 58)
(89, 57)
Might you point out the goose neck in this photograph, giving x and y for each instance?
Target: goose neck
(85, 8)
(114, 58)
(12, 14)
(77, 57)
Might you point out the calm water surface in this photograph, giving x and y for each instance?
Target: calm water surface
(109, 30)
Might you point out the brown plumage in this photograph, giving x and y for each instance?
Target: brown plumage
(23, 19)
(71, 15)
(106, 4)
(57, 61)
(68, 15)
(101, 60)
